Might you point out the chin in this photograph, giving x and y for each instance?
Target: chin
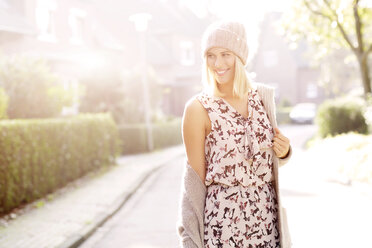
(223, 81)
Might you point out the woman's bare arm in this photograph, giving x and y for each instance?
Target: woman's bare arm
(193, 134)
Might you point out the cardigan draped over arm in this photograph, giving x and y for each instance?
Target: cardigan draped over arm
(190, 226)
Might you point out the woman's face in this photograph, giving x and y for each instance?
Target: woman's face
(222, 63)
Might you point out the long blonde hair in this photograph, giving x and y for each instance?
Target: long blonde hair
(241, 81)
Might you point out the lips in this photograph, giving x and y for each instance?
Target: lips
(221, 72)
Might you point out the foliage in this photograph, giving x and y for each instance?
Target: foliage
(368, 113)
(32, 89)
(134, 137)
(320, 26)
(134, 97)
(103, 92)
(332, 25)
(4, 99)
(108, 90)
(284, 102)
(339, 73)
(282, 115)
(40, 155)
(341, 115)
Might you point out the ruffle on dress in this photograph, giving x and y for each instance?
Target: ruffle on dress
(253, 141)
(256, 136)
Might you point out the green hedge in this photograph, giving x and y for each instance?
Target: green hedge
(40, 155)
(4, 100)
(282, 115)
(341, 115)
(134, 137)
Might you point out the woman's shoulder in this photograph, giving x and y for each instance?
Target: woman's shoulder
(261, 87)
(199, 100)
(194, 101)
(194, 105)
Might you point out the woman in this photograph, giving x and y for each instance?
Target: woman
(234, 148)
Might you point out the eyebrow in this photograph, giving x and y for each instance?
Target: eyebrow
(224, 51)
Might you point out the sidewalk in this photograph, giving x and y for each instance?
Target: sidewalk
(70, 218)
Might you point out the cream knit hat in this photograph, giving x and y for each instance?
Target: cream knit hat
(226, 34)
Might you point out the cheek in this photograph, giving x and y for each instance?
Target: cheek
(231, 63)
(210, 63)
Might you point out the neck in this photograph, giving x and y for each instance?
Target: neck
(226, 89)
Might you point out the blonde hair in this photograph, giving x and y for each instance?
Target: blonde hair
(241, 81)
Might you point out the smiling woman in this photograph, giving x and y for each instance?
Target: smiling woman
(233, 149)
(224, 61)
(221, 62)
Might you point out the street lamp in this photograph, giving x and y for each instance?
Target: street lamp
(140, 22)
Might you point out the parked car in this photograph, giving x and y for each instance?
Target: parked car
(303, 113)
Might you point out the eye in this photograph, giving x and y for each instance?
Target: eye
(226, 54)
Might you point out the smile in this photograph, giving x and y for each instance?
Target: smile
(221, 72)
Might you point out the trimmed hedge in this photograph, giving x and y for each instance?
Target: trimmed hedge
(282, 115)
(39, 156)
(341, 116)
(134, 136)
(4, 100)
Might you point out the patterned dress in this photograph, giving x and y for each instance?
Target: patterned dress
(241, 208)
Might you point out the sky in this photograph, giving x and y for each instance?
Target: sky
(249, 12)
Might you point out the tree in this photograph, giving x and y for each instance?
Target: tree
(334, 24)
(103, 92)
(134, 96)
(33, 90)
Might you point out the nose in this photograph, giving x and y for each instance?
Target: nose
(218, 62)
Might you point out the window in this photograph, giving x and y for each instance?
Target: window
(311, 90)
(270, 58)
(4, 4)
(187, 53)
(76, 21)
(45, 20)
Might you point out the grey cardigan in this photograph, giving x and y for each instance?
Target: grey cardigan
(190, 223)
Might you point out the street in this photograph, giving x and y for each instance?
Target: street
(148, 219)
(321, 213)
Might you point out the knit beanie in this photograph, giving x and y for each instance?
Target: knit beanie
(230, 35)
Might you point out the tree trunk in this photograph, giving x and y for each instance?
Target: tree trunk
(364, 71)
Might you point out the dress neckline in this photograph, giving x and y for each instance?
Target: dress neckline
(232, 109)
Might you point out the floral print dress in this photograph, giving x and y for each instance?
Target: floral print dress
(241, 208)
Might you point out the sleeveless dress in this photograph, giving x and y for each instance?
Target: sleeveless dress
(241, 208)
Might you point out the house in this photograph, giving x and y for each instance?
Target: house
(173, 40)
(66, 33)
(78, 36)
(285, 69)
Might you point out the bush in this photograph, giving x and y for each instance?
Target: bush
(40, 155)
(103, 92)
(134, 98)
(134, 136)
(4, 99)
(341, 116)
(32, 89)
(282, 115)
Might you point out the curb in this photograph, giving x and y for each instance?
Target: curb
(75, 240)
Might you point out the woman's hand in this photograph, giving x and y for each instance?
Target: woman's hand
(281, 144)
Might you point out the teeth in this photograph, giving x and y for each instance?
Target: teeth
(221, 72)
